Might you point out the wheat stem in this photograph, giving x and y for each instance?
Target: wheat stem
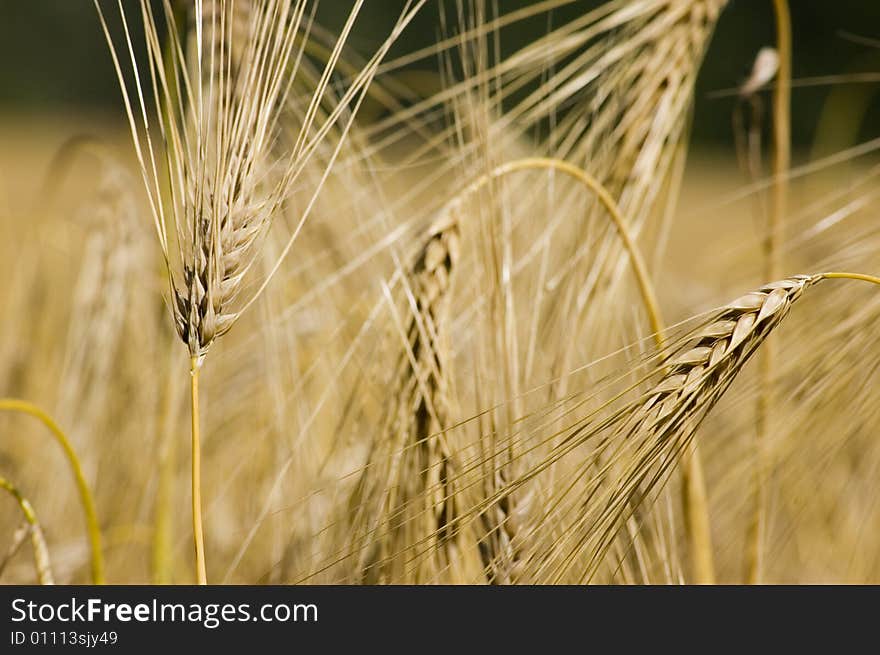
(85, 494)
(640, 269)
(836, 275)
(773, 246)
(781, 129)
(198, 538)
(42, 563)
(696, 515)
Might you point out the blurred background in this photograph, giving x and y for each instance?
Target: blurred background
(54, 59)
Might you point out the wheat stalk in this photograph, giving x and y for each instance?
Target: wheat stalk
(85, 493)
(773, 255)
(42, 564)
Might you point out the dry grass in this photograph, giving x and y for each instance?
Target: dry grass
(449, 362)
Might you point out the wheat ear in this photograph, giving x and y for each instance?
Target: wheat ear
(417, 500)
(699, 373)
(657, 428)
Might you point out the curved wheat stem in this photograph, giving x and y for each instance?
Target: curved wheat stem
(695, 502)
(639, 268)
(42, 564)
(85, 494)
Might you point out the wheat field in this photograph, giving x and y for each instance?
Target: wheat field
(299, 313)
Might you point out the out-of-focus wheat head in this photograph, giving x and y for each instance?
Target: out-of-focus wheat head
(405, 505)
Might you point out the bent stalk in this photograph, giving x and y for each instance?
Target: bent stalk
(695, 502)
(85, 494)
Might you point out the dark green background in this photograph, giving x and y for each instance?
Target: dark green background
(53, 57)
